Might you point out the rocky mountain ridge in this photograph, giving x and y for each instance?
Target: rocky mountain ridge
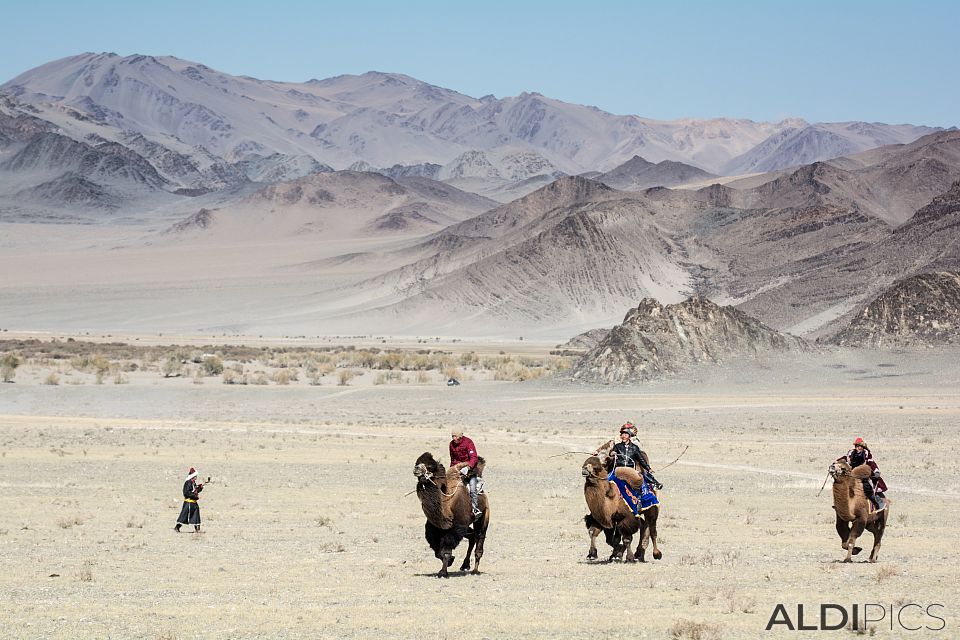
(386, 119)
(922, 310)
(656, 340)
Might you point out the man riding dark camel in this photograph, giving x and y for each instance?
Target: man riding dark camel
(627, 454)
(874, 486)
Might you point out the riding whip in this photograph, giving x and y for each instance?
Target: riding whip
(685, 447)
(824, 484)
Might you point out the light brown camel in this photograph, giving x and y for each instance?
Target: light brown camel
(446, 503)
(610, 515)
(853, 509)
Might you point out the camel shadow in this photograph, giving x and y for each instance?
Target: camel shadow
(452, 574)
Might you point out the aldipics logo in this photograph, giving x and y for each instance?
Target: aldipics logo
(862, 616)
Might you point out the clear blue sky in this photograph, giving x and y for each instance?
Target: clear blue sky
(881, 60)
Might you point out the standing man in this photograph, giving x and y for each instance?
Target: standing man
(462, 449)
(190, 513)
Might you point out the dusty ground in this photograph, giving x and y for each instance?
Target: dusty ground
(308, 533)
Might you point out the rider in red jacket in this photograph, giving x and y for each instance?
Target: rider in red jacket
(462, 449)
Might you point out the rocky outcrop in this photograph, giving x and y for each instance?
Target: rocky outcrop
(923, 310)
(587, 339)
(656, 340)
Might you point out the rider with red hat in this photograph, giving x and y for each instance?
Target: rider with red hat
(874, 486)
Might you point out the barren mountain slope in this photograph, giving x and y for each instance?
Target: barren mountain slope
(637, 174)
(919, 310)
(341, 204)
(578, 264)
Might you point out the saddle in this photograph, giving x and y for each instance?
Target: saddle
(634, 489)
(476, 472)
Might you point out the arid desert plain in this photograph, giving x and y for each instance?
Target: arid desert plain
(308, 533)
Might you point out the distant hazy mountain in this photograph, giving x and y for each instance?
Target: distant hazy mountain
(637, 174)
(796, 146)
(387, 119)
(337, 205)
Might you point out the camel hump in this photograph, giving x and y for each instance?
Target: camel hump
(481, 463)
(862, 472)
(629, 475)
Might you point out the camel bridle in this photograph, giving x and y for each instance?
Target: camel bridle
(838, 471)
(425, 474)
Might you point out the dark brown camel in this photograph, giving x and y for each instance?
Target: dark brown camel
(853, 509)
(446, 503)
(610, 515)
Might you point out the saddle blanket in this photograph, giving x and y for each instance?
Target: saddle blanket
(637, 502)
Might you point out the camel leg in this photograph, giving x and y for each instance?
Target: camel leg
(855, 532)
(843, 530)
(615, 541)
(481, 536)
(627, 541)
(655, 513)
(447, 558)
(642, 545)
(594, 532)
(878, 529)
(471, 538)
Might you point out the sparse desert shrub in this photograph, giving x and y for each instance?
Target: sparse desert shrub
(172, 367)
(134, 523)
(259, 378)
(8, 366)
(516, 372)
(422, 377)
(53, 379)
(690, 630)
(452, 372)
(120, 379)
(230, 376)
(212, 366)
(344, 376)
(68, 522)
(85, 575)
(284, 376)
(100, 366)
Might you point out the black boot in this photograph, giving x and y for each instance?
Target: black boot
(653, 481)
(869, 493)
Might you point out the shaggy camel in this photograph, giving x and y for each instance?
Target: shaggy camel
(611, 515)
(446, 503)
(853, 509)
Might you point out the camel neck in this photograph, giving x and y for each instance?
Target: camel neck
(841, 500)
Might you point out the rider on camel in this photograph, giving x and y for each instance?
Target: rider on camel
(627, 454)
(874, 486)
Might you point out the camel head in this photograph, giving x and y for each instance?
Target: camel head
(426, 467)
(839, 470)
(593, 467)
